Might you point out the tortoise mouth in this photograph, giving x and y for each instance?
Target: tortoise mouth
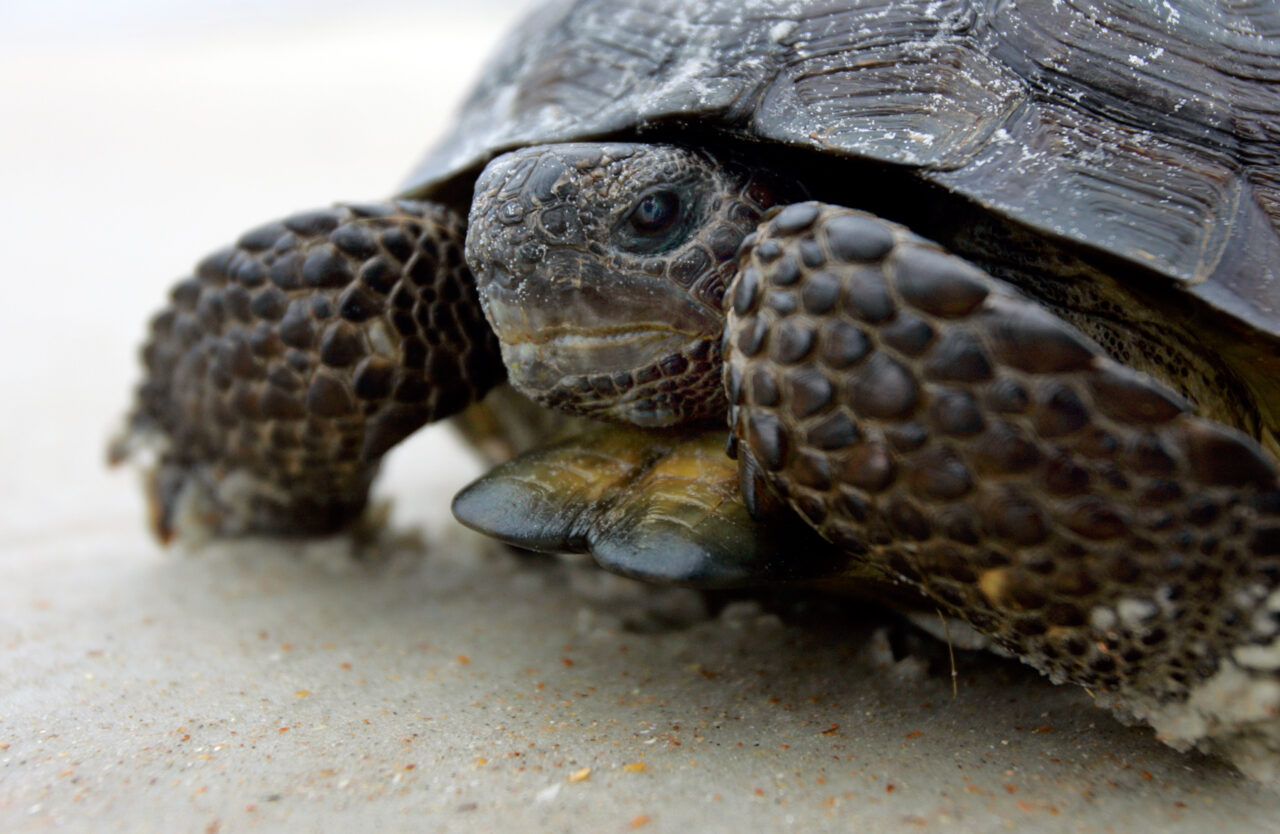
(543, 347)
(583, 334)
(621, 372)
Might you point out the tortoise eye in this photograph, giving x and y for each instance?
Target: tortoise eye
(661, 219)
(656, 212)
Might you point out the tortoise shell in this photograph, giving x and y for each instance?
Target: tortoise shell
(1143, 130)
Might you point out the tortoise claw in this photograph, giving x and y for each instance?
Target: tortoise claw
(662, 507)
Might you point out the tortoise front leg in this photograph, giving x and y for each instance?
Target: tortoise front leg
(931, 420)
(284, 369)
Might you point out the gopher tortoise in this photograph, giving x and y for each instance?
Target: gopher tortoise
(987, 295)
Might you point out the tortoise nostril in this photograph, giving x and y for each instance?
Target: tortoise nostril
(511, 213)
(531, 253)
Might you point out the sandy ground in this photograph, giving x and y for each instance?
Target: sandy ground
(446, 684)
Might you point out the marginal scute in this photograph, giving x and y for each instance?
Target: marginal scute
(1072, 172)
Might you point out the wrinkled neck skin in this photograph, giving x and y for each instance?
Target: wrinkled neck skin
(602, 267)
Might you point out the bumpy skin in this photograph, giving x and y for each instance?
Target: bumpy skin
(290, 362)
(598, 313)
(940, 429)
(931, 420)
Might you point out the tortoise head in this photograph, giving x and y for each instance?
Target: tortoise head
(602, 268)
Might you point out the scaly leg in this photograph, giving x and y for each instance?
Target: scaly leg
(931, 420)
(284, 369)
